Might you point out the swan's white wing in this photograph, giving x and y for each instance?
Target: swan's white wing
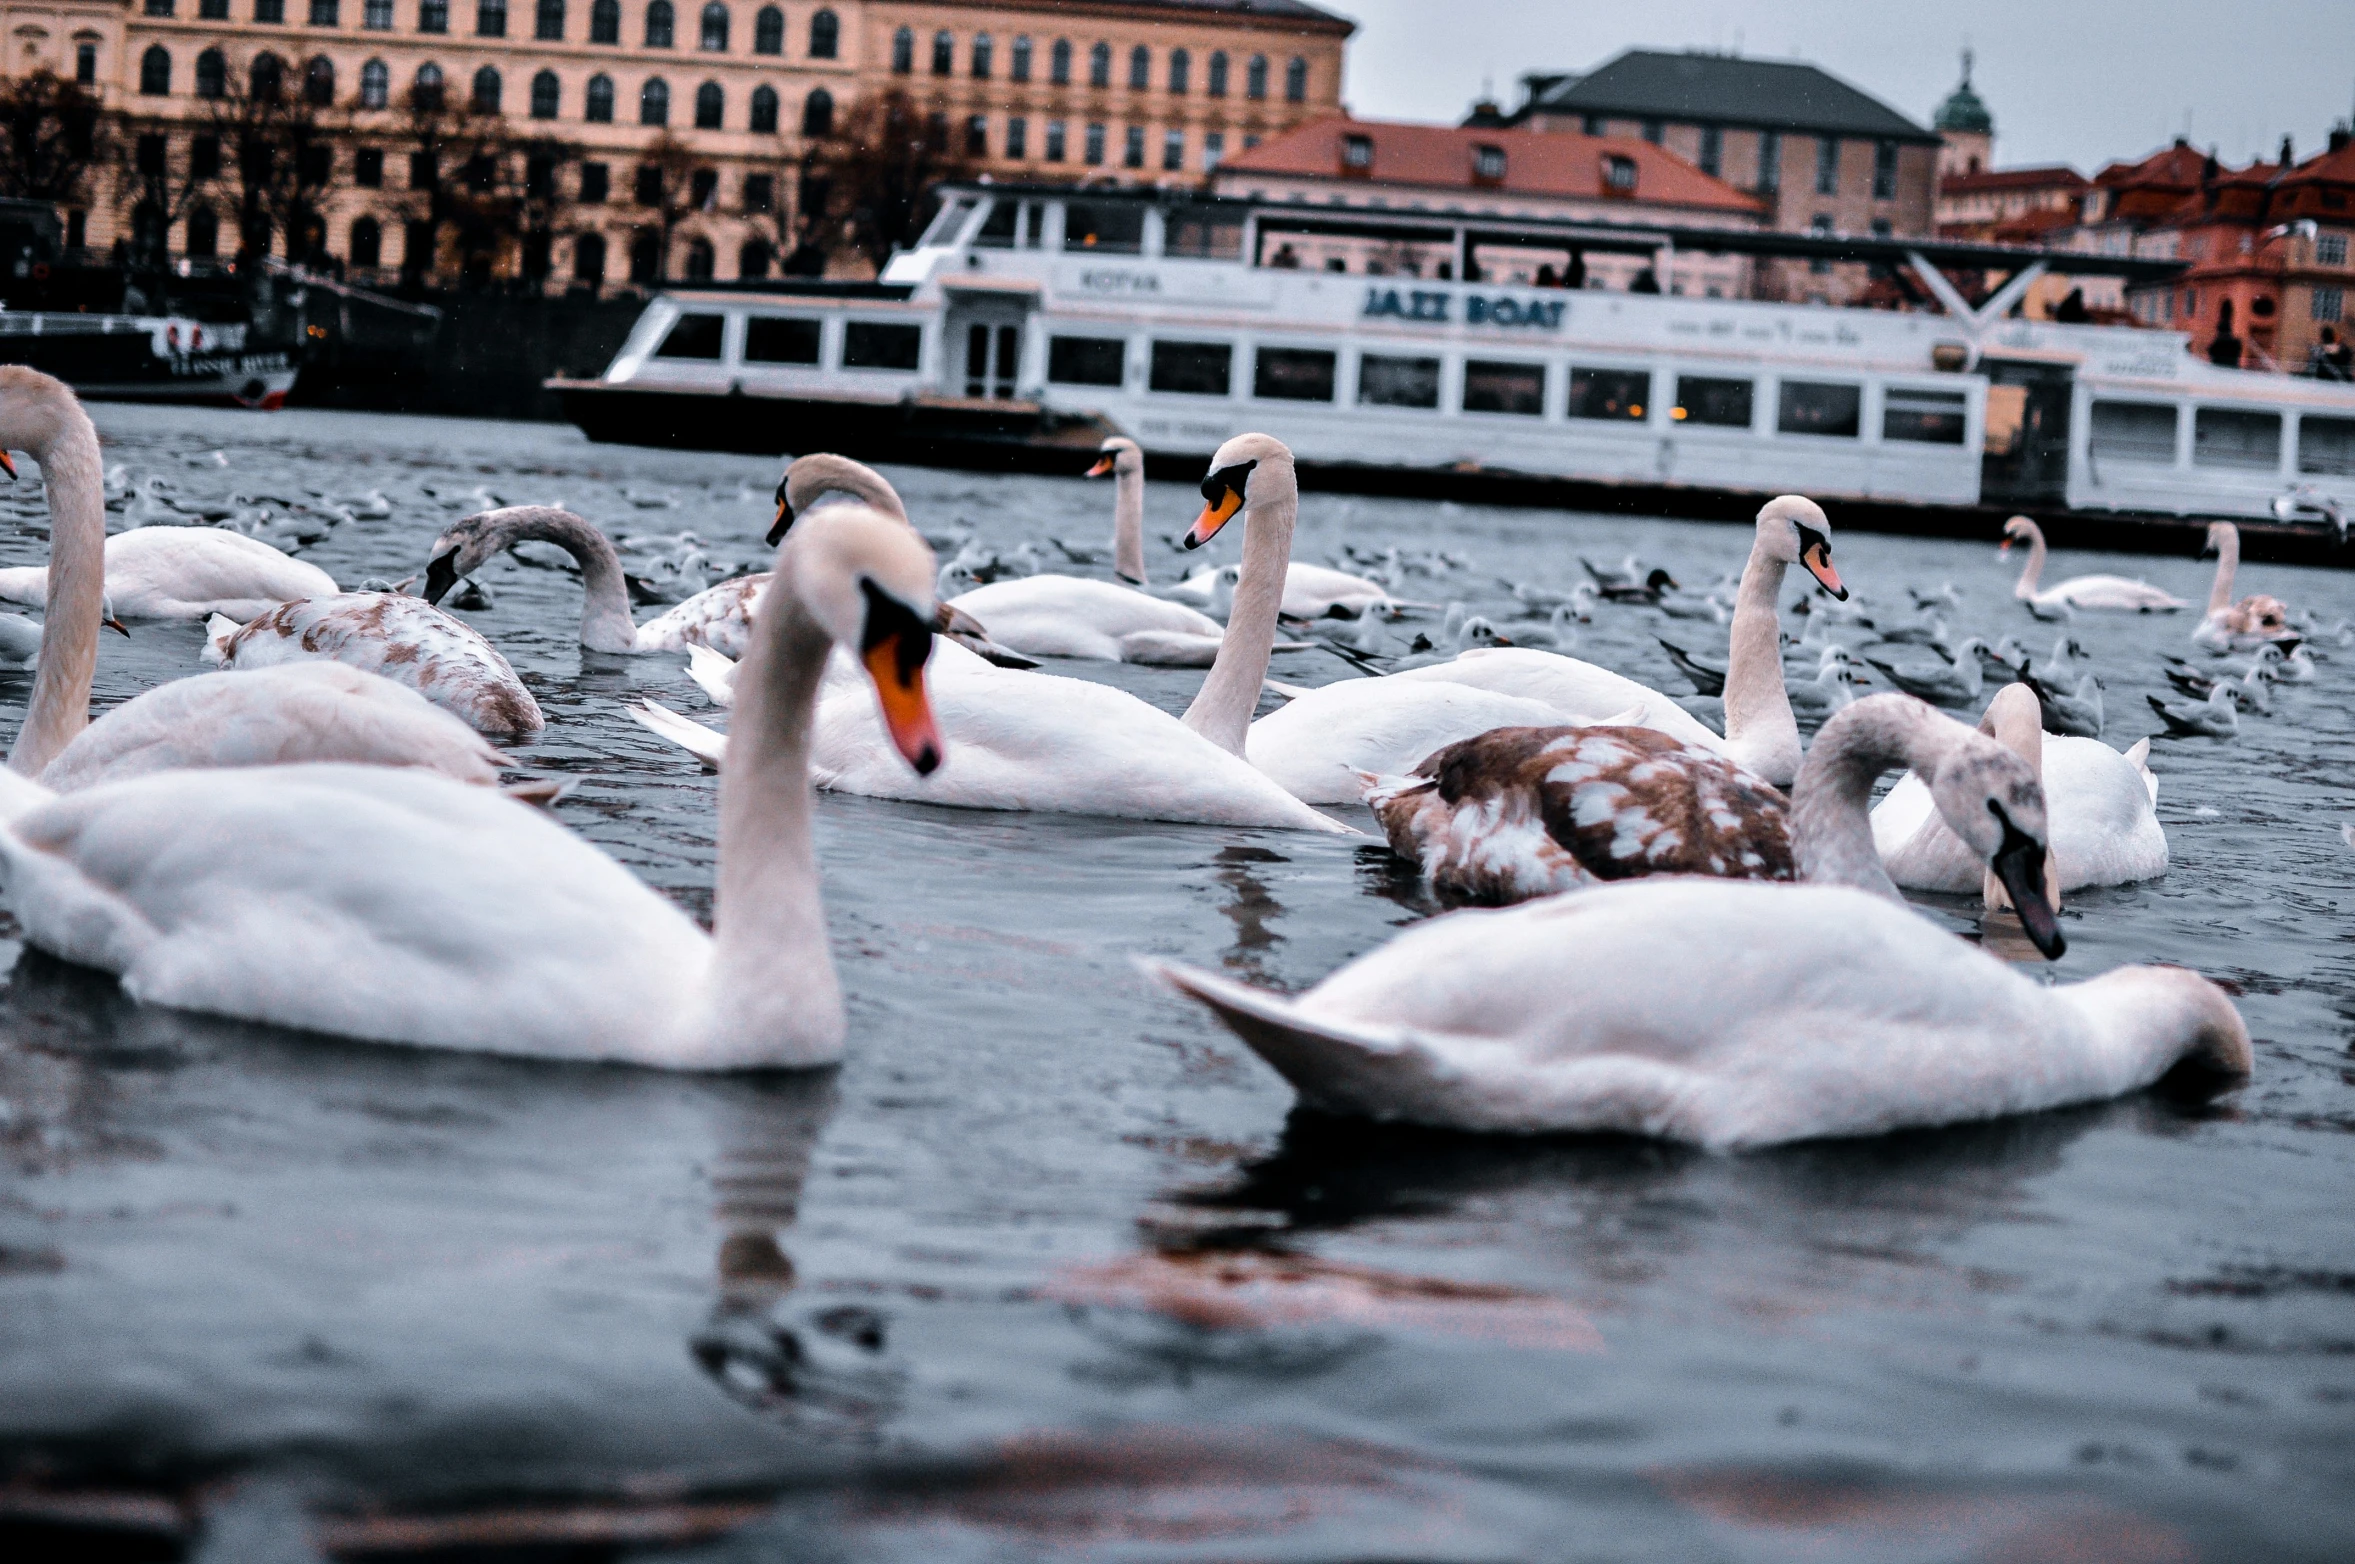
(2113, 592)
(705, 744)
(2104, 819)
(405, 639)
(190, 572)
(366, 901)
(719, 617)
(1916, 846)
(19, 794)
(1309, 590)
(1579, 690)
(1072, 616)
(1316, 745)
(713, 672)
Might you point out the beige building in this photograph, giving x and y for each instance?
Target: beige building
(1134, 90)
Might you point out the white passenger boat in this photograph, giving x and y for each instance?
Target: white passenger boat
(1031, 321)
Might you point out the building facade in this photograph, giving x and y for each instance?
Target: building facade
(655, 138)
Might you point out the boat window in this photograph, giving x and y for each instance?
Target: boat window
(2229, 437)
(1384, 381)
(773, 339)
(1609, 393)
(1086, 361)
(944, 227)
(1716, 402)
(997, 229)
(2326, 445)
(1110, 228)
(875, 344)
(1925, 417)
(2134, 431)
(1504, 388)
(693, 336)
(1293, 374)
(1194, 368)
(1821, 407)
(1202, 234)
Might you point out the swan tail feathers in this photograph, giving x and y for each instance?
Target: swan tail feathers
(703, 743)
(1290, 692)
(1169, 648)
(219, 631)
(2138, 754)
(713, 672)
(542, 792)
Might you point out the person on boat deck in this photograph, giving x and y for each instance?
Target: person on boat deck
(1285, 259)
(2071, 310)
(1644, 282)
(2225, 349)
(2330, 358)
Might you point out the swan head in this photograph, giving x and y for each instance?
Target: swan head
(1797, 532)
(2020, 530)
(466, 546)
(1247, 471)
(35, 409)
(1991, 798)
(1119, 454)
(865, 577)
(2219, 534)
(2180, 1015)
(808, 478)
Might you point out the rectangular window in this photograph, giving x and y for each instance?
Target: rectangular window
(2327, 304)
(1017, 137)
(760, 192)
(997, 230)
(1106, 227)
(2326, 445)
(376, 16)
(1821, 407)
(1924, 417)
(596, 183)
(1885, 171)
(2330, 250)
(1770, 161)
(1214, 147)
(1202, 234)
(2229, 437)
(1610, 393)
(977, 136)
(1293, 374)
(694, 336)
(1086, 361)
(1095, 148)
(874, 344)
(2133, 432)
(323, 12)
(1650, 131)
(1713, 401)
(771, 339)
(266, 10)
(212, 10)
(1827, 165)
(1712, 150)
(433, 16)
(424, 171)
(1173, 151)
(368, 168)
(1132, 154)
(490, 18)
(1193, 368)
(1387, 381)
(1054, 141)
(1518, 389)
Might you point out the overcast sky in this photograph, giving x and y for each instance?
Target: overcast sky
(2069, 81)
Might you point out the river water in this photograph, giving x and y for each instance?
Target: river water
(1051, 1267)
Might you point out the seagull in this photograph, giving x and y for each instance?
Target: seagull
(1955, 683)
(2249, 691)
(2214, 718)
(2074, 709)
(1706, 675)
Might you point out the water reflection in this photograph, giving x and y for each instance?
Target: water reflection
(1251, 909)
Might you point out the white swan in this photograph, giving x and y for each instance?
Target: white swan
(1318, 743)
(2101, 806)
(404, 907)
(2086, 592)
(186, 573)
(1076, 616)
(1734, 1013)
(404, 639)
(2254, 621)
(1310, 591)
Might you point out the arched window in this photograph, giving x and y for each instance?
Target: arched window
(204, 234)
(753, 260)
(605, 21)
(375, 85)
(817, 113)
(1018, 60)
(825, 36)
(711, 106)
(1100, 65)
(1296, 81)
(983, 52)
(319, 81)
(1217, 84)
(1140, 68)
(1059, 63)
(598, 106)
(155, 72)
(212, 74)
(660, 21)
(1181, 71)
(548, 21)
(715, 27)
(267, 79)
(367, 246)
(547, 94)
(645, 256)
(764, 110)
(768, 31)
(486, 90)
(427, 93)
(700, 260)
(654, 102)
(903, 52)
(1255, 77)
(944, 53)
(588, 259)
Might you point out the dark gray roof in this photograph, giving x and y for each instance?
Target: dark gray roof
(1719, 89)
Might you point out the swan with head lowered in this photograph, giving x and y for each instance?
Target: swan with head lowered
(1737, 1013)
(402, 907)
(2120, 593)
(216, 720)
(2256, 620)
(1319, 743)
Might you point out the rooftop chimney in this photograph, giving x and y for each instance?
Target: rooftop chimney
(2338, 137)
(2287, 158)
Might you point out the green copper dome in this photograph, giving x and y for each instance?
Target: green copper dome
(1962, 109)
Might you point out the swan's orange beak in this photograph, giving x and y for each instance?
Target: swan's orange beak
(896, 664)
(1817, 557)
(1214, 515)
(2004, 550)
(1103, 466)
(6, 465)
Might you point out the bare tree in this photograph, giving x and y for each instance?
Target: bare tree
(666, 183)
(52, 134)
(863, 190)
(482, 198)
(277, 158)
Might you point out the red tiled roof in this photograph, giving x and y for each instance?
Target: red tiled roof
(1537, 163)
(2057, 176)
(2325, 167)
(2179, 165)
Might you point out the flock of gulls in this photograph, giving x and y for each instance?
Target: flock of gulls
(1688, 923)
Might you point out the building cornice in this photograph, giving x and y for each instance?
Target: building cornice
(1141, 11)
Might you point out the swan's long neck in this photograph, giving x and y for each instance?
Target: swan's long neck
(1759, 726)
(606, 625)
(60, 708)
(2228, 564)
(1831, 822)
(1128, 523)
(773, 992)
(2034, 572)
(828, 474)
(1222, 712)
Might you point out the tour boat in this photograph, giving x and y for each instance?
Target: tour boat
(147, 358)
(1028, 322)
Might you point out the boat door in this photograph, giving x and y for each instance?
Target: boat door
(985, 334)
(2026, 459)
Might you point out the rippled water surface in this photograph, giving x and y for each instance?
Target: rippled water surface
(1051, 1268)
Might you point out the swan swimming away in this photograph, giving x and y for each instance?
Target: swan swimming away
(400, 906)
(404, 639)
(186, 573)
(2122, 593)
(2256, 620)
(1737, 1013)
